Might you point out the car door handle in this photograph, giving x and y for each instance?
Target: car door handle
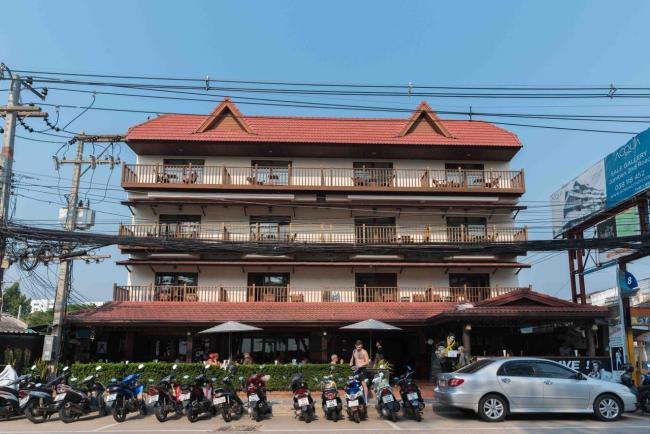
(506, 380)
(548, 382)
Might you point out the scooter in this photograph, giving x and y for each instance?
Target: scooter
(10, 396)
(125, 396)
(255, 389)
(412, 402)
(303, 404)
(387, 406)
(355, 400)
(225, 399)
(196, 396)
(644, 393)
(74, 402)
(164, 399)
(38, 405)
(330, 399)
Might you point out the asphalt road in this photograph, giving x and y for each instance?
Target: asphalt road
(443, 421)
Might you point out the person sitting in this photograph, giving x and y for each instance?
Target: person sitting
(213, 359)
(334, 360)
(248, 359)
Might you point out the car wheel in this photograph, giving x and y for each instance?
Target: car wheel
(493, 408)
(608, 408)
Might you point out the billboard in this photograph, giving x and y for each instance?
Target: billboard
(623, 224)
(621, 175)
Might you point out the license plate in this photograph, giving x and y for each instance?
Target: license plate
(331, 403)
(23, 401)
(152, 399)
(303, 401)
(442, 383)
(387, 398)
(111, 397)
(219, 400)
(60, 397)
(412, 396)
(253, 397)
(354, 403)
(185, 396)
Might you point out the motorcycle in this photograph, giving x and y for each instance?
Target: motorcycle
(10, 395)
(412, 402)
(225, 399)
(75, 402)
(303, 404)
(255, 389)
(38, 403)
(196, 396)
(387, 406)
(330, 399)
(355, 399)
(125, 396)
(644, 393)
(164, 398)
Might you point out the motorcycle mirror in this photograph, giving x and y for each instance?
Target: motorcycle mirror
(33, 368)
(174, 366)
(408, 368)
(65, 368)
(98, 368)
(185, 377)
(140, 366)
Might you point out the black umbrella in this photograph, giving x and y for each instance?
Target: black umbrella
(230, 327)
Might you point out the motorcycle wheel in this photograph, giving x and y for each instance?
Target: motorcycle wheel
(119, 410)
(160, 412)
(645, 404)
(226, 414)
(65, 414)
(255, 414)
(417, 414)
(356, 417)
(336, 415)
(192, 415)
(393, 416)
(143, 409)
(103, 410)
(308, 415)
(33, 418)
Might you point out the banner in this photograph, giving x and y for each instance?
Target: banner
(593, 367)
(623, 224)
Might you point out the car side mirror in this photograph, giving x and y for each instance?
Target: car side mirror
(581, 376)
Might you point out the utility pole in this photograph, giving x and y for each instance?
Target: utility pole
(53, 344)
(11, 112)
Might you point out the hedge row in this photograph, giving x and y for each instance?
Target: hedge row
(153, 372)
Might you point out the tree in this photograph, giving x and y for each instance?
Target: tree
(47, 317)
(12, 299)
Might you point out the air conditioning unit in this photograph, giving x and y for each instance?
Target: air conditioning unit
(85, 217)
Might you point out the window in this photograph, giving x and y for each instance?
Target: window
(375, 230)
(472, 280)
(474, 367)
(468, 174)
(552, 370)
(463, 166)
(270, 228)
(376, 287)
(463, 229)
(517, 369)
(177, 279)
(368, 173)
(270, 172)
(469, 287)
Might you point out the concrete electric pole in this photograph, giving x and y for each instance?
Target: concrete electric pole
(11, 112)
(53, 344)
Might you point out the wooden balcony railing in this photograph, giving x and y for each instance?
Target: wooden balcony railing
(328, 233)
(310, 178)
(281, 294)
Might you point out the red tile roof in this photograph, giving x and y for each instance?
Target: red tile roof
(120, 312)
(326, 130)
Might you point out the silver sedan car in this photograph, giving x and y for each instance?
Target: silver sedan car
(496, 387)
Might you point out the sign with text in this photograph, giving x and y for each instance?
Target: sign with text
(623, 224)
(620, 176)
(593, 367)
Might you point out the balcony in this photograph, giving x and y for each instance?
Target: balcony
(328, 233)
(277, 294)
(159, 176)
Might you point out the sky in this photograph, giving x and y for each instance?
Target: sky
(546, 43)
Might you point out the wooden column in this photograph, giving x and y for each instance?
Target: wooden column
(466, 339)
(591, 342)
(128, 345)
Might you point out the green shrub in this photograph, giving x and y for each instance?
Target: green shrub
(280, 374)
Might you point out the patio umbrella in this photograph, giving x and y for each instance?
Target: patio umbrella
(370, 325)
(230, 327)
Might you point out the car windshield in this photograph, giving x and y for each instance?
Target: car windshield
(476, 366)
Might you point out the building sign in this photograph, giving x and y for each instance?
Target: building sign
(48, 345)
(621, 175)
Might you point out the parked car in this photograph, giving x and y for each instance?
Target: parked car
(496, 387)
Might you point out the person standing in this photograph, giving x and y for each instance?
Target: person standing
(463, 357)
(379, 352)
(360, 360)
(213, 359)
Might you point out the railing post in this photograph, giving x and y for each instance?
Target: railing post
(365, 292)
(466, 295)
(152, 292)
(115, 292)
(289, 173)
